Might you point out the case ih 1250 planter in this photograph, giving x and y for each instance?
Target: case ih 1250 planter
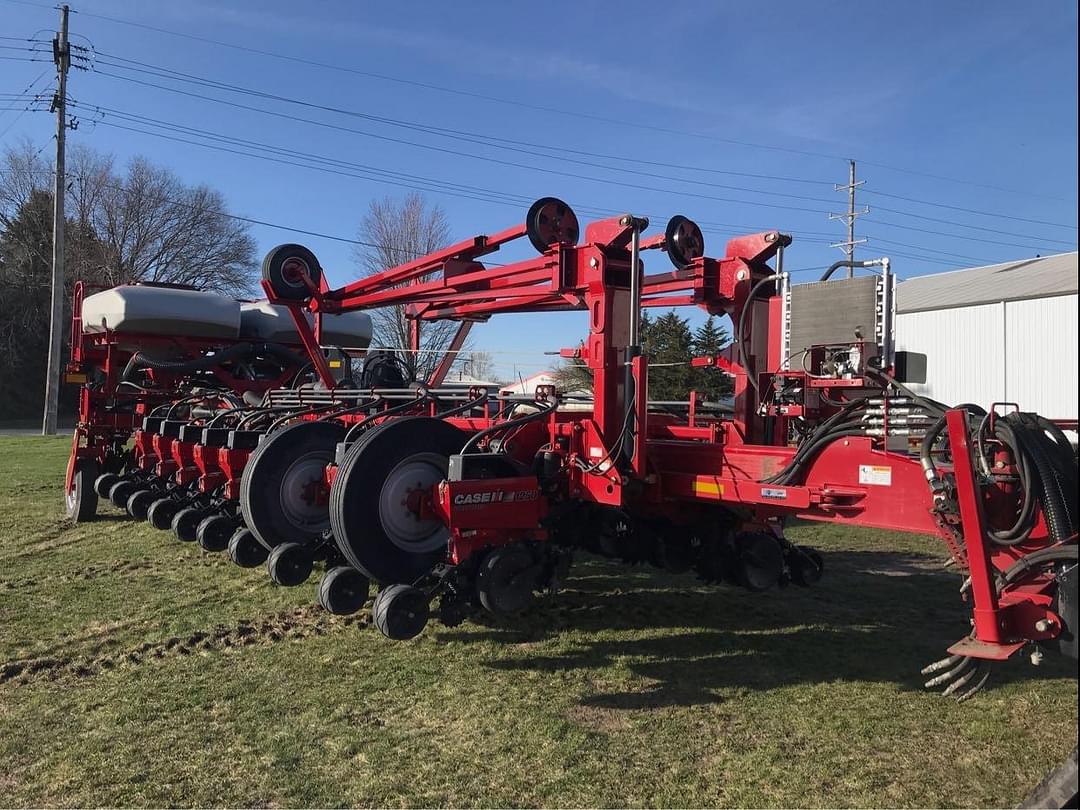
(478, 507)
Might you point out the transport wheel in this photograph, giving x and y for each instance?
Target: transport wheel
(138, 503)
(506, 580)
(161, 512)
(343, 590)
(376, 498)
(81, 503)
(214, 531)
(683, 241)
(290, 564)
(104, 482)
(400, 612)
(282, 491)
(549, 222)
(120, 492)
(185, 522)
(285, 268)
(761, 561)
(245, 550)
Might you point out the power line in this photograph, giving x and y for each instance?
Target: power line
(432, 130)
(972, 227)
(969, 210)
(541, 108)
(334, 166)
(473, 138)
(465, 93)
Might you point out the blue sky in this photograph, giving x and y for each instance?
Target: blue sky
(918, 92)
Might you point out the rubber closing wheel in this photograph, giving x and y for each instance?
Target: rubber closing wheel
(120, 492)
(549, 222)
(683, 241)
(806, 566)
(80, 503)
(401, 612)
(374, 503)
(214, 532)
(290, 564)
(245, 550)
(282, 490)
(138, 503)
(104, 482)
(161, 512)
(506, 580)
(343, 590)
(185, 522)
(761, 561)
(286, 267)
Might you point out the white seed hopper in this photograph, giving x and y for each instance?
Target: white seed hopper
(271, 322)
(161, 311)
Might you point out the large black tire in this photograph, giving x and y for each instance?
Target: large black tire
(186, 522)
(245, 550)
(290, 564)
(343, 590)
(138, 503)
(1058, 788)
(272, 489)
(282, 268)
(370, 522)
(401, 612)
(214, 532)
(81, 503)
(120, 492)
(161, 513)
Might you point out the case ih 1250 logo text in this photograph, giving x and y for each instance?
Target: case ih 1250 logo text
(494, 496)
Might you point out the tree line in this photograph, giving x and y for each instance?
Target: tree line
(670, 344)
(137, 223)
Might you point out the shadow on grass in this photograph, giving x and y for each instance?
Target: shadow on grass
(878, 617)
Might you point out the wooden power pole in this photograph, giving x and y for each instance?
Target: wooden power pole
(62, 57)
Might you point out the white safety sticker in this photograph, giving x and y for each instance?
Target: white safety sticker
(875, 475)
(777, 494)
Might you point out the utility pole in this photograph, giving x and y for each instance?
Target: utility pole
(852, 214)
(62, 58)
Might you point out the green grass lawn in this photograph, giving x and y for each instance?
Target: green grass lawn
(137, 670)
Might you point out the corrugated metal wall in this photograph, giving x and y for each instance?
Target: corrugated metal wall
(1021, 351)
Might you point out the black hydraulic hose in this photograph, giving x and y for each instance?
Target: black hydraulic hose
(1065, 553)
(287, 357)
(468, 406)
(1026, 518)
(812, 448)
(852, 263)
(423, 396)
(512, 423)
(740, 326)
(140, 360)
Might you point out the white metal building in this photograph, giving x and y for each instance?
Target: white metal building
(1001, 333)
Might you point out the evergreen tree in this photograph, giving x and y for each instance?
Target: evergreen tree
(711, 339)
(667, 341)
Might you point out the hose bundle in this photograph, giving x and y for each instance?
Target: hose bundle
(1047, 469)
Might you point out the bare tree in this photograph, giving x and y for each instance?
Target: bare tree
(400, 230)
(479, 366)
(142, 225)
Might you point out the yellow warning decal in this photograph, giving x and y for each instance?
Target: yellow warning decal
(77, 379)
(704, 487)
(335, 364)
